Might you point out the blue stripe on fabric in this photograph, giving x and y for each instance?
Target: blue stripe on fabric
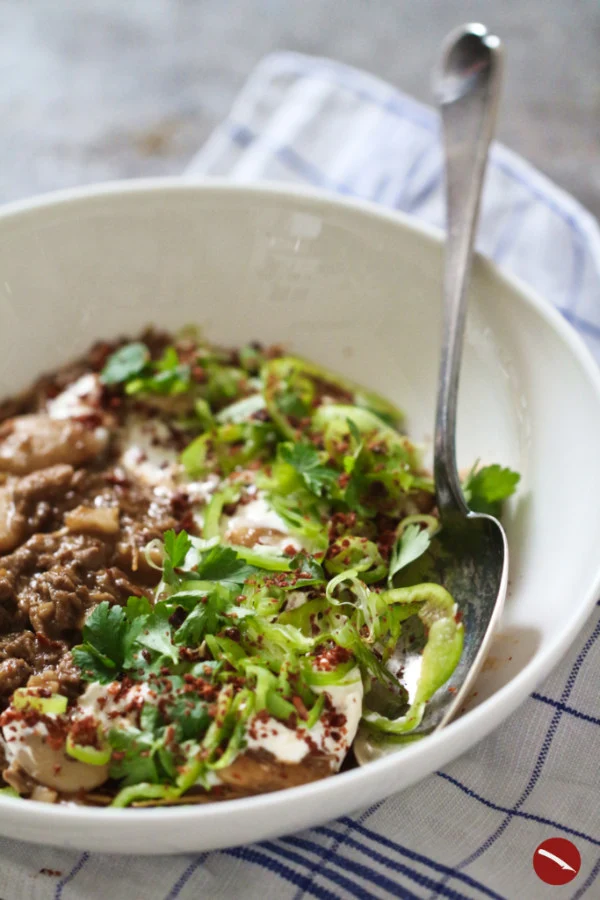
(370, 875)
(327, 874)
(419, 878)
(403, 201)
(540, 762)
(593, 720)
(510, 232)
(252, 855)
(287, 155)
(583, 889)
(581, 324)
(418, 857)
(242, 135)
(381, 188)
(407, 109)
(340, 839)
(577, 236)
(185, 876)
(71, 875)
(518, 813)
(426, 191)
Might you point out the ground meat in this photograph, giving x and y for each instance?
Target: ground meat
(19, 645)
(67, 583)
(11, 617)
(69, 677)
(34, 659)
(51, 581)
(13, 674)
(39, 495)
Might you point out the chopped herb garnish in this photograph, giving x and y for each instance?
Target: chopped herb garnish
(306, 460)
(125, 363)
(487, 488)
(297, 506)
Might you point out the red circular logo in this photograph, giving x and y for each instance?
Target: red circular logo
(556, 861)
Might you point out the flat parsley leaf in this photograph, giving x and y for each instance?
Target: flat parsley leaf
(306, 460)
(486, 489)
(412, 543)
(167, 377)
(93, 667)
(155, 634)
(125, 363)
(206, 618)
(223, 566)
(115, 638)
(177, 546)
(105, 628)
(136, 762)
(309, 571)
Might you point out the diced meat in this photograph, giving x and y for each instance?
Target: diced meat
(36, 441)
(93, 519)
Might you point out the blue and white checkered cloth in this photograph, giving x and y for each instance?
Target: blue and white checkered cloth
(470, 830)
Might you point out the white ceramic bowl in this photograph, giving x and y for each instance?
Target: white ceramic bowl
(358, 289)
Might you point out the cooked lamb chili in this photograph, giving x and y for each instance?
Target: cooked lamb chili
(207, 560)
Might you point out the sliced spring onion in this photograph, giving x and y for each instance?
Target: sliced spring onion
(9, 792)
(91, 756)
(55, 705)
(144, 791)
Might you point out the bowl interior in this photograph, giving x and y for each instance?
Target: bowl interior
(360, 292)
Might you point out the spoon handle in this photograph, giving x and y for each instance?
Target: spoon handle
(467, 86)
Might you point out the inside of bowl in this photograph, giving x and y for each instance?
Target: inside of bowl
(356, 292)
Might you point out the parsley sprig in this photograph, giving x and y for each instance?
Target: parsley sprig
(487, 488)
(132, 367)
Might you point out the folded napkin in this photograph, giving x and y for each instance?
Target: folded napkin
(470, 830)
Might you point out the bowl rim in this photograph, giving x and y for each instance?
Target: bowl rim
(460, 734)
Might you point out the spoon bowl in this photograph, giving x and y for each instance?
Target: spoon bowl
(472, 557)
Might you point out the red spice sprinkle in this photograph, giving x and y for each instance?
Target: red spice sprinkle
(84, 732)
(331, 657)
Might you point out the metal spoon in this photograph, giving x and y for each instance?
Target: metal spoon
(467, 86)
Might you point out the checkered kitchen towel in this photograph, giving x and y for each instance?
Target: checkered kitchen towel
(470, 830)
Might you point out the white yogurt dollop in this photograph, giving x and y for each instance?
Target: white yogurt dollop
(289, 745)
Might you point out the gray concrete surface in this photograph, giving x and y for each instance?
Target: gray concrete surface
(98, 89)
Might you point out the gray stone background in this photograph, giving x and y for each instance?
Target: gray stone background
(98, 89)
